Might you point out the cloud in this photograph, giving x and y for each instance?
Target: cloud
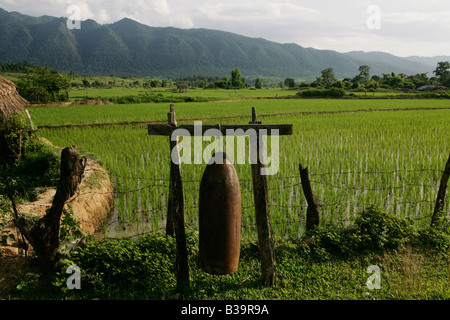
(266, 11)
(418, 17)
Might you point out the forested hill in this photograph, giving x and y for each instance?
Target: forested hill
(127, 47)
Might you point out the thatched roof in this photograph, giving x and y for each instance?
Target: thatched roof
(10, 100)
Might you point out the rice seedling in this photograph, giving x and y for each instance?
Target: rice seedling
(393, 158)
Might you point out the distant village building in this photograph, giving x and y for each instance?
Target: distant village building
(182, 87)
(432, 88)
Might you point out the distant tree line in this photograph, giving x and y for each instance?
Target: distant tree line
(364, 81)
(44, 84)
(153, 83)
(198, 81)
(236, 81)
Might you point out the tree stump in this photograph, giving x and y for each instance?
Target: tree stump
(43, 234)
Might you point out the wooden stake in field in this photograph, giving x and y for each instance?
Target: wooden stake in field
(312, 213)
(260, 189)
(175, 213)
(439, 205)
(262, 211)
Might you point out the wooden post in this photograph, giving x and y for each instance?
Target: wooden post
(29, 120)
(172, 121)
(439, 205)
(312, 213)
(262, 211)
(175, 217)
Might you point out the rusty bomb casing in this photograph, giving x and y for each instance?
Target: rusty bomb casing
(219, 217)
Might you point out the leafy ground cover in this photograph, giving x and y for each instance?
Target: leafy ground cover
(332, 263)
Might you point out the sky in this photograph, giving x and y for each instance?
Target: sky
(400, 27)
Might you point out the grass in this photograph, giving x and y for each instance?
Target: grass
(153, 112)
(390, 158)
(359, 152)
(317, 269)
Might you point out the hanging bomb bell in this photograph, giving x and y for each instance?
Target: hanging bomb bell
(219, 217)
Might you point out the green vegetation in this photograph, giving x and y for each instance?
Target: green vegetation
(442, 71)
(37, 170)
(27, 165)
(330, 263)
(364, 82)
(55, 116)
(374, 163)
(43, 85)
(356, 155)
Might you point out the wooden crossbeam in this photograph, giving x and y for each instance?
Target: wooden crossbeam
(193, 130)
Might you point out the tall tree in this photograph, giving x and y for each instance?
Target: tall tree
(328, 76)
(236, 79)
(258, 83)
(289, 82)
(364, 74)
(442, 71)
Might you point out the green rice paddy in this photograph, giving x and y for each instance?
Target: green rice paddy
(359, 152)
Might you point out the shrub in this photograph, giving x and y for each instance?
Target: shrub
(322, 93)
(378, 229)
(15, 138)
(373, 230)
(436, 237)
(38, 169)
(43, 84)
(114, 264)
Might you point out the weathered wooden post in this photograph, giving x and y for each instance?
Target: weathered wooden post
(175, 210)
(312, 213)
(262, 212)
(172, 121)
(439, 205)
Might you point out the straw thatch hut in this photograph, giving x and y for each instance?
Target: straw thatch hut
(11, 101)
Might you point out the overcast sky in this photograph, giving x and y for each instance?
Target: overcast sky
(400, 27)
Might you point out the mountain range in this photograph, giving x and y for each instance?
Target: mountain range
(127, 47)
